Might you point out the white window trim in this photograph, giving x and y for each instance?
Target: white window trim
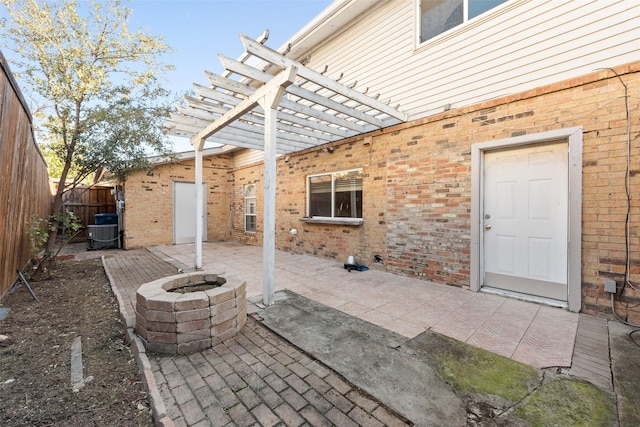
(573, 136)
(330, 219)
(244, 208)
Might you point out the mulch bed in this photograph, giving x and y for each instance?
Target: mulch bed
(35, 357)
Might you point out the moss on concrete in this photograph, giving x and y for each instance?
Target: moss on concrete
(554, 401)
(568, 402)
(474, 370)
(501, 391)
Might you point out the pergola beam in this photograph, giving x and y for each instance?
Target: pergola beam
(326, 117)
(319, 109)
(238, 131)
(276, 58)
(334, 105)
(231, 136)
(295, 107)
(305, 123)
(314, 98)
(228, 84)
(283, 79)
(244, 70)
(257, 122)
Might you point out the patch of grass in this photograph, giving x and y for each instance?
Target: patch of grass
(477, 371)
(568, 402)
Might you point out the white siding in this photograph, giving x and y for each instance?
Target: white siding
(247, 157)
(519, 45)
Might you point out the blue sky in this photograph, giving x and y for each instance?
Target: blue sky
(199, 30)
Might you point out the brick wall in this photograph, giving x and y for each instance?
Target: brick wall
(149, 201)
(429, 184)
(324, 240)
(417, 186)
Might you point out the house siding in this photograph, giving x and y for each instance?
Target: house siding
(246, 157)
(531, 43)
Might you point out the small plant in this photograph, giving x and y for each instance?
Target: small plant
(39, 231)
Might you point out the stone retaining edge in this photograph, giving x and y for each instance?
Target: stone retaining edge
(158, 410)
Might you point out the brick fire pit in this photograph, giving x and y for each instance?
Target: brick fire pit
(184, 323)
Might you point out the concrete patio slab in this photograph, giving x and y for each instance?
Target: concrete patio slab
(364, 355)
(528, 332)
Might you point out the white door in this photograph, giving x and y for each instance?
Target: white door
(184, 213)
(525, 220)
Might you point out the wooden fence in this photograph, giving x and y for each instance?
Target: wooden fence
(24, 181)
(86, 202)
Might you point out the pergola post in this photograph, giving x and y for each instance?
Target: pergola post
(199, 207)
(318, 111)
(269, 104)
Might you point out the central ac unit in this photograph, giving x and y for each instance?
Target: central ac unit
(102, 236)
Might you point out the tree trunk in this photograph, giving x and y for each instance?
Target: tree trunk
(55, 210)
(68, 160)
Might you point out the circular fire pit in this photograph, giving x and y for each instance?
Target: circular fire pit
(184, 321)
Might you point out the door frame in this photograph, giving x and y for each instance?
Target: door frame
(573, 136)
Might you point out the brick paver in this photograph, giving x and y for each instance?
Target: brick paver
(255, 378)
(231, 385)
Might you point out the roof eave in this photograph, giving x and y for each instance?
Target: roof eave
(329, 22)
(191, 154)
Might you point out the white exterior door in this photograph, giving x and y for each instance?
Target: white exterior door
(525, 220)
(184, 213)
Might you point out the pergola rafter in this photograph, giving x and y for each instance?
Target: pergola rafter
(279, 106)
(316, 109)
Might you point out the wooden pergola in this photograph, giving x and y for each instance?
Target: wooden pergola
(278, 106)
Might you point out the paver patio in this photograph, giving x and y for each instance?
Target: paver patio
(531, 333)
(535, 334)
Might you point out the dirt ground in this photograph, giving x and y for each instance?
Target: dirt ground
(35, 354)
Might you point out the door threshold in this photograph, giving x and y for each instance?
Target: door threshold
(525, 297)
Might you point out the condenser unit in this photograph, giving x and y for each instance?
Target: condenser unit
(102, 236)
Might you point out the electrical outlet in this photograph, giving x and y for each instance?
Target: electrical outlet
(610, 286)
